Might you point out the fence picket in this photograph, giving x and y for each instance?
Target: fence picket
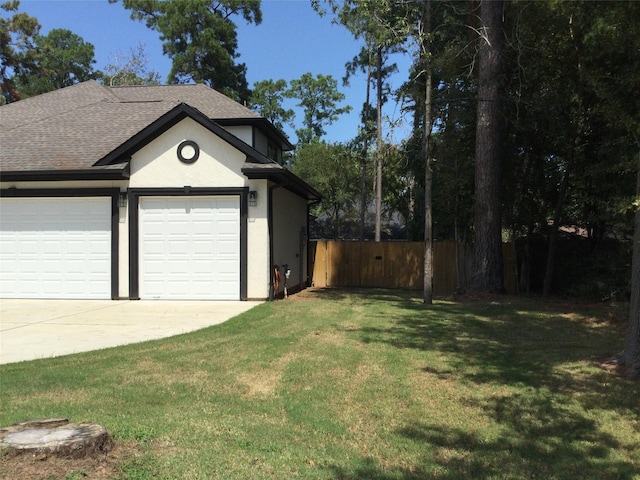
(393, 265)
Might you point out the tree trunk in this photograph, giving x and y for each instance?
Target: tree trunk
(55, 437)
(426, 151)
(631, 354)
(379, 146)
(365, 159)
(553, 238)
(488, 274)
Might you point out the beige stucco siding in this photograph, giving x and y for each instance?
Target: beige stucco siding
(156, 165)
(258, 244)
(219, 165)
(290, 234)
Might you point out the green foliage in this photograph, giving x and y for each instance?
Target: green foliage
(78, 475)
(60, 59)
(453, 138)
(17, 34)
(594, 269)
(200, 38)
(266, 99)
(319, 98)
(569, 65)
(31, 64)
(333, 169)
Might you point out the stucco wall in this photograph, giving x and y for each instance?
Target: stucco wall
(219, 165)
(156, 165)
(258, 244)
(290, 235)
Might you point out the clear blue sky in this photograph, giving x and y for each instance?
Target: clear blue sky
(291, 40)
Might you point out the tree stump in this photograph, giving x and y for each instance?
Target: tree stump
(57, 437)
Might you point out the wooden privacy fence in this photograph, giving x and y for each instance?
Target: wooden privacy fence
(396, 265)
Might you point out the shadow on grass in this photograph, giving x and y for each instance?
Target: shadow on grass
(539, 439)
(541, 351)
(510, 341)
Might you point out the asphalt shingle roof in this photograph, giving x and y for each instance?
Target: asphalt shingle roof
(213, 104)
(74, 127)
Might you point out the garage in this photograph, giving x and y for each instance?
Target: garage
(185, 196)
(57, 247)
(189, 248)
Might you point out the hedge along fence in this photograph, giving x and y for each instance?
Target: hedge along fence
(397, 265)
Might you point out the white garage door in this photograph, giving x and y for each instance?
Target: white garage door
(189, 248)
(55, 248)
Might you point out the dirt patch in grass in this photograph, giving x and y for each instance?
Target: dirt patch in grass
(260, 383)
(613, 367)
(43, 467)
(265, 380)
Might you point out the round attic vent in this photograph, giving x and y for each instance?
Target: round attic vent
(188, 151)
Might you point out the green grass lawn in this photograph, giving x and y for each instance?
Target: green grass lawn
(365, 384)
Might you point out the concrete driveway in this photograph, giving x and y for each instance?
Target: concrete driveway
(32, 329)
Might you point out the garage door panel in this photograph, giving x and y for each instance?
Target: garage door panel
(189, 239)
(55, 248)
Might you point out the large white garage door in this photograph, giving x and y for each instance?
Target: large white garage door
(189, 248)
(55, 248)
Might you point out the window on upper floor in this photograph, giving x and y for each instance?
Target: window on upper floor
(274, 152)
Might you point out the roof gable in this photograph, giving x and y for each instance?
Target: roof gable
(124, 151)
(86, 125)
(89, 131)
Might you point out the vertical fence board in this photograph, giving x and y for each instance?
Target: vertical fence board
(395, 265)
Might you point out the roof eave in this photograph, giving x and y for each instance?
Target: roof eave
(285, 179)
(64, 175)
(168, 120)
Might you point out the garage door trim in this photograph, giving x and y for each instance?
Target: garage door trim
(134, 227)
(84, 192)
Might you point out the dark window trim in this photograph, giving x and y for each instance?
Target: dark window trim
(134, 227)
(84, 192)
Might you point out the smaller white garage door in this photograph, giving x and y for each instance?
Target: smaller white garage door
(189, 248)
(55, 248)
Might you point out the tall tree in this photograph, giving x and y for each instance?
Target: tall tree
(60, 59)
(266, 99)
(488, 274)
(200, 37)
(375, 23)
(424, 35)
(631, 354)
(17, 34)
(570, 133)
(319, 98)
